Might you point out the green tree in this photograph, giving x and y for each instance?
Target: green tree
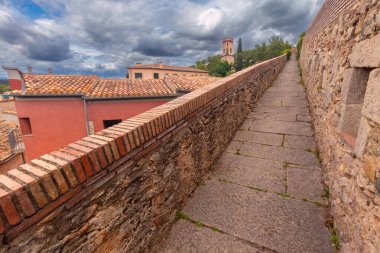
(299, 44)
(240, 46)
(201, 65)
(261, 52)
(219, 68)
(239, 65)
(4, 88)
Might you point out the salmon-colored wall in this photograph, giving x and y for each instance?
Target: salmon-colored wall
(54, 123)
(109, 110)
(57, 123)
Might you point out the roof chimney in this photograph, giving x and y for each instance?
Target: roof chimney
(50, 71)
(161, 64)
(15, 77)
(138, 64)
(30, 69)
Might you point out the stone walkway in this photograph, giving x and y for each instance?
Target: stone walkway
(265, 193)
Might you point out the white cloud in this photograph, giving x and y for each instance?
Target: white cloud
(105, 36)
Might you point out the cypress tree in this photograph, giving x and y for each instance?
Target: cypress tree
(240, 46)
(239, 57)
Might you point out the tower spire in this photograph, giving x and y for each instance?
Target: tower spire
(228, 50)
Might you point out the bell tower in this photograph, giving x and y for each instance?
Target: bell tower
(228, 50)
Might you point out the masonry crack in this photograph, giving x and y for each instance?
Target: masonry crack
(284, 195)
(183, 216)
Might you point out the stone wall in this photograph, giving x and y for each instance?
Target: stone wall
(118, 190)
(340, 61)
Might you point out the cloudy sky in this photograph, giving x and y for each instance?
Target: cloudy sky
(105, 36)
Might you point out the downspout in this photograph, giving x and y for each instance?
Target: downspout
(86, 115)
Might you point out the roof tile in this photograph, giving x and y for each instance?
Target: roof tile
(95, 87)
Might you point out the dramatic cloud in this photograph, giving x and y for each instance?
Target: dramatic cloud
(105, 36)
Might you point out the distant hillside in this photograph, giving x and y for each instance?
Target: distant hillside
(4, 86)
(4, 82)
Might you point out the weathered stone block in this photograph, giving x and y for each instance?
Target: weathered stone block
(350, 119)
(366, 53)
(371, 106)
(361, 140)
(354, 85)
(370, 168)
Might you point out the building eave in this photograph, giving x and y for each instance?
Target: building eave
(169, 69)
(42, 96)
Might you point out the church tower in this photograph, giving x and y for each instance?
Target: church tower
(228, 50)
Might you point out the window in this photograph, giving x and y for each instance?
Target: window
(25, 126)
(138, 76)
(111, 122)
(230, 50)
(353, 92)
(156, 76)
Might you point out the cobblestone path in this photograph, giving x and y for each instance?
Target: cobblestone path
(265, 193)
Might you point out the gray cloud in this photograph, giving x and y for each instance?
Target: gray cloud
(105, 36)
(33, 40)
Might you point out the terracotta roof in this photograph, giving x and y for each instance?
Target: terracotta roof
(5, 128)
(59, 84)
(188, 83)
(167, 67)
(95, 87)
(130, 88)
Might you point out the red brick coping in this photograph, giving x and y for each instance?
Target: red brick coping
(64, 177)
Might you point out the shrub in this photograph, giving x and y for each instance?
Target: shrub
(299, 44)
(288, 53)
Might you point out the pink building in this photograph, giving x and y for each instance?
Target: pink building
(56, 110)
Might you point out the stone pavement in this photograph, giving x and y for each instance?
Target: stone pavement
(265, 193)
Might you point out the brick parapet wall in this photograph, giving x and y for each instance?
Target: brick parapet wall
(329, 12)
(60, 186)
(340, 64)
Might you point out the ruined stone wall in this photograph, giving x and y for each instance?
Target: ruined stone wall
(340, 61)
(118, 190)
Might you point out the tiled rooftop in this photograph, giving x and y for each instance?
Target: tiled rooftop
(167, 67)
(188, 82)
(59, 84)
(130, 88)
(95, 87)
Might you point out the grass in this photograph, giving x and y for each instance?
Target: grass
(335, 238)
(317, 154)
(256, 189)
(326, 193)
(182, 216)
(249, 187)
(313, 202)
(283, 140)
(285, 195)
(286, 166)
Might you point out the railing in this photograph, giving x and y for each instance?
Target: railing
(15, 141)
